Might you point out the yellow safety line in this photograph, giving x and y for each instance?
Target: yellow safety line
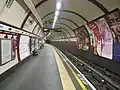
(77, 78)
(65, 78)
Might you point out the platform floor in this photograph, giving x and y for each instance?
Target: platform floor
(42, 72)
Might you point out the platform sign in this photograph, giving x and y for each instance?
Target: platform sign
(52, 29)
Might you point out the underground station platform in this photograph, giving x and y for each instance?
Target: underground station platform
(49, 70)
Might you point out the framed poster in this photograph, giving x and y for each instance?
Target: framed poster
(96, 36)
(32, 44)
(14, 45)
(83, 38)
(76, 35)
(113, 20)
(106, 39)
(24, 47)
(103, 38)
(5, 50)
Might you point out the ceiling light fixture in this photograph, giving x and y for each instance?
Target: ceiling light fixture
(58, 6)
(55, 19)
(53, 25)
(57, 11)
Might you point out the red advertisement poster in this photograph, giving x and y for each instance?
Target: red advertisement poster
(106, 40)
(96, 35)
(103, 38)
(95, 30)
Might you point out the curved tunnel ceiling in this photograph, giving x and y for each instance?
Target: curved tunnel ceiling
(63, 18)
(67, 11)
(86, 9)
(69, 29)
(62, 24)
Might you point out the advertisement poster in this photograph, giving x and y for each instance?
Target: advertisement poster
(77, 38)
(103, 38)
(24, 47)
(82, 38)
(14, 45)
(32, 44)
(96, 36)
(106, 40)
(113, 20)
(5, 50)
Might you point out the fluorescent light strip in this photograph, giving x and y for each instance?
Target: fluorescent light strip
(57, 11)
(55, 19)
(58, 5)
(53, 25)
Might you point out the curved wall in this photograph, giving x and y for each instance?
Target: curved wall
(15, 15)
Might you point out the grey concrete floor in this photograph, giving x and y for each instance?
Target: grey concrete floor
(38, 73)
